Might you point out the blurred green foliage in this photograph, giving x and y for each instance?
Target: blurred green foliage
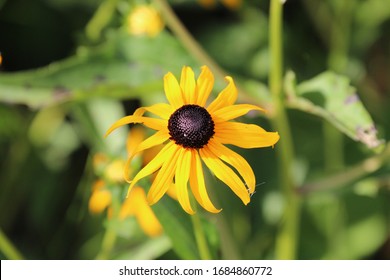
(70, 70)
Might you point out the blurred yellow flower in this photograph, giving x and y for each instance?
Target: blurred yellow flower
(144, 20)
(136, 205)
(100, 199)
(112, 174)
(193, 133)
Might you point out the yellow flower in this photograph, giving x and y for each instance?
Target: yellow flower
(136, 205)
(194, 133)
(144, 20)
(100, 199)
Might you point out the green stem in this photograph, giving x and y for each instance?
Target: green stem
(286, 240)
(187, 39)
(200, 236)
(100, 19)
(349, 175)
(108, 243)
(337, 61)
(8, 249)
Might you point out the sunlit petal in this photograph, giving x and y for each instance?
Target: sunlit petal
(155, 124)
(233, 111)
(161, 110)
(225, 174)
(181, 180)
(235, 160)
(173, 91)
(198, 186)
(187, 84)
(164, 177)
(205, 85)
(250, 135)
(227, 97)
(154, 140)
(154, 165)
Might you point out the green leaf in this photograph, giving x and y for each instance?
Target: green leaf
(331, 97)
(148, 250)
(177, 226)
(124, 67)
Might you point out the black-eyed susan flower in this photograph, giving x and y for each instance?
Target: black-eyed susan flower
(144, 20)
(194, 132)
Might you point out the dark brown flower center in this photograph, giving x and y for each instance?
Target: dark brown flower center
(191, 126)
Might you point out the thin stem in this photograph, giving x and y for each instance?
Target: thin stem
(200, 236)
(286, 240)
(187, 39)
(108, 243)
(8, 249)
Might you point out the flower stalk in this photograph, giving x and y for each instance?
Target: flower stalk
(286, 240)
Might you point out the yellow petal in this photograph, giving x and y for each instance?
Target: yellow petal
(225, 174)
(155, 124)
(244, 135)
(143, 213)
(156, 139)
(235, 160)
(164, 177)
(226, 97)
(231, 112)
(99, 201)
(198, 185)
(205, 85)
(187, 84)
(173, 91)
(154, 165)
(161, 110)
(181, 179)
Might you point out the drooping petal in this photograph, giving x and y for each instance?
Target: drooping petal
(173, 91)
(181, 179)
(226, 97)
(250, 135)
(235, 160)
(156, 139)
(161, 110)
(187, 84)
(205, 85)
(155, 124)
(164, 177)
(154, 165)
(198, 186)
(225, 174)
(233, 111)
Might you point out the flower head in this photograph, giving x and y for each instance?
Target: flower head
(194, 132)
(144, 20)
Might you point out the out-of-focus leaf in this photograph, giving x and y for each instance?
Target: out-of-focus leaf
(177, 227)
(331, 97)
(125, 67)
(148, 250)
(350, 228)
